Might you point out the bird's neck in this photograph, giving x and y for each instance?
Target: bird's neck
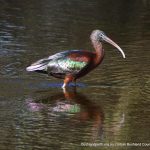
(99, 52)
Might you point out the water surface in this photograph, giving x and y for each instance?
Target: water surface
(111, 104)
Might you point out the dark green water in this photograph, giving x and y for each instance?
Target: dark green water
(112, 103)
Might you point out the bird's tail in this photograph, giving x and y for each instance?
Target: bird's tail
(39, 65)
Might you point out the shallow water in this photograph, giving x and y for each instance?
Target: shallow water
(109, 105)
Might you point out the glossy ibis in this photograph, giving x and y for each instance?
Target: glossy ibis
(73, 64)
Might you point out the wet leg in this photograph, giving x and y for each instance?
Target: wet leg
(74, 82)
(67, 80)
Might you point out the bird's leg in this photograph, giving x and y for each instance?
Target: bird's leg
(74, 82)
(69, 94)
(67, 79)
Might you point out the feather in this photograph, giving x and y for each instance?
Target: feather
(60, 64)
(39, 65)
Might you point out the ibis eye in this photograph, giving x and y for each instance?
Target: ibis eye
(101, 36)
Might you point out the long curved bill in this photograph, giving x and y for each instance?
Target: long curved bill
(107, 39)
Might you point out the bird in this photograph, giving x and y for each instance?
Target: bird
(71, 65)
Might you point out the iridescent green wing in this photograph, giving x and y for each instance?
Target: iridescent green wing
(68, 65)
(67, 62)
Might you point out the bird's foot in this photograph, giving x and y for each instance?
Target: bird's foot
(64, 86)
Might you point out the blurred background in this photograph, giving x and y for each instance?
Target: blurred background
(112, 102)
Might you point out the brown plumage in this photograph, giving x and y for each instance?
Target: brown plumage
(73, 64)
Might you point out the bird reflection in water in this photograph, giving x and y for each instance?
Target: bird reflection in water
(72, 103)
